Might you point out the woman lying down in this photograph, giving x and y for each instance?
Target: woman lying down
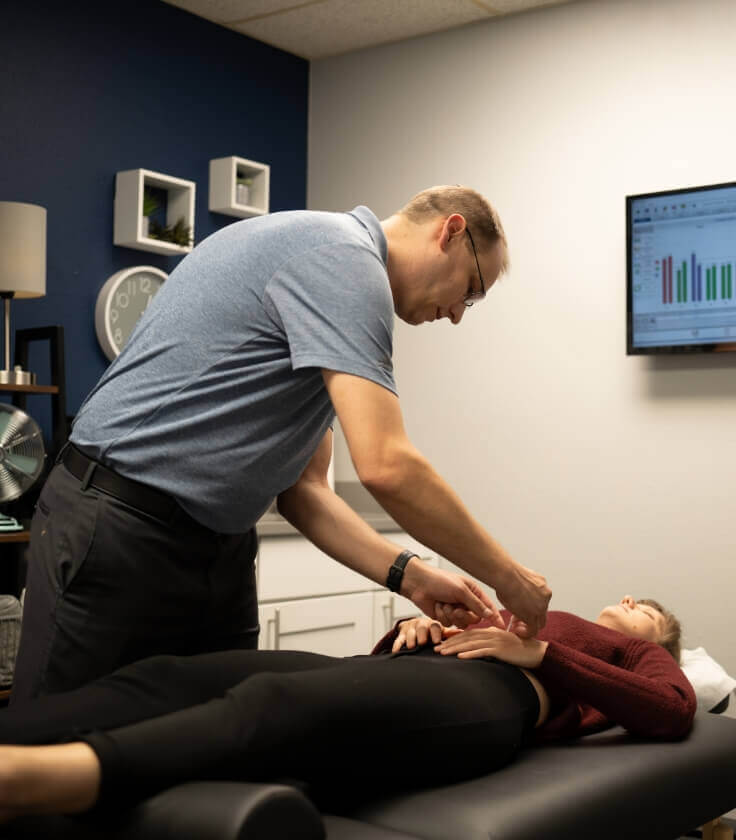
(429, 706)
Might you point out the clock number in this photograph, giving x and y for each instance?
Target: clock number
(114, 315)
(118, 336)
(145, 284)
(122, 300)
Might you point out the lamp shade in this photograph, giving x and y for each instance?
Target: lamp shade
(22, 249)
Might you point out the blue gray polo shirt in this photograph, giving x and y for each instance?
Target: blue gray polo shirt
(218, 397)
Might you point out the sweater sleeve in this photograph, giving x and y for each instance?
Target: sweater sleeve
(384, 644)
(647, 693)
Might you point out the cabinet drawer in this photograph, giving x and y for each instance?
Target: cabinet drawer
(337, 626)
(387, 608)
(292, 567)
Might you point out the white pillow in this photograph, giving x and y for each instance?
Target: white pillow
(710, 681)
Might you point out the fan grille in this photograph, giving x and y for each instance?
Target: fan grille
(21, 452)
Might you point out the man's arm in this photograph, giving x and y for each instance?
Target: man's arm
(405, 484)
(313, 508)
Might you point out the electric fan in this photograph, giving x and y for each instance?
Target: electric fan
(21, 452)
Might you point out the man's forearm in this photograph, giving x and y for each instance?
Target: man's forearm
(332, 525)
(422, 502)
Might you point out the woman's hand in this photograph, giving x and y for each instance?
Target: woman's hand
(416, 632)
(492, 641)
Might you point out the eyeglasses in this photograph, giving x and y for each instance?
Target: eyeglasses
(473, 297)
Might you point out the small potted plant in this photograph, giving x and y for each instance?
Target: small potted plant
(242, 190)
(179, 234)
(150, 205)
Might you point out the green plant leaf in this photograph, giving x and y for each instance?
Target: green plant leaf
(150, 205)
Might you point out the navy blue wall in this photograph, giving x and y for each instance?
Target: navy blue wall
(90, 88)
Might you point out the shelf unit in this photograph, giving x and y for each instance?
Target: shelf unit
(224, 175)
(15, 537)
(129, 220)
(13, 543)
(30, 389)
(54, 337)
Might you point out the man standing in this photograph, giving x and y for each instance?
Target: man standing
(143, 540)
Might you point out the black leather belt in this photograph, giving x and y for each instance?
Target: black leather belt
(140, 496)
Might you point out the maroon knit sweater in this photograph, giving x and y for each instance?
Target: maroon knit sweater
(597, 678)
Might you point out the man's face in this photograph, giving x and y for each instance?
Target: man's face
(445, 273)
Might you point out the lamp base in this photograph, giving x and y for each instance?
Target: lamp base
(17, 376)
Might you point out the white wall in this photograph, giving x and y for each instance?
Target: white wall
(608, 474)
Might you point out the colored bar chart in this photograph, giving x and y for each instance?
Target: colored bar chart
(693, 292)
(693, 275)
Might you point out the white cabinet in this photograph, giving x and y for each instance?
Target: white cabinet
(292, 567)
(387, 608)
(336, 626)
(308, 601)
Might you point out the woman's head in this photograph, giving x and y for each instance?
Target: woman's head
(644, 619)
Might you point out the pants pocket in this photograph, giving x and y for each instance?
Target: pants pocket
(62, 534)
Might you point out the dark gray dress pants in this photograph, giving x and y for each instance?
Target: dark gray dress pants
(108, 585)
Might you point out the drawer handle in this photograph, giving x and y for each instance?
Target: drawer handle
(388, 614)
(276, 621)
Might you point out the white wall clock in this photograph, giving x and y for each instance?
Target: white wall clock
(121, 302)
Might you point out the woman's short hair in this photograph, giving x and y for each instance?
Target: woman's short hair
(670, 639)
(482, 219)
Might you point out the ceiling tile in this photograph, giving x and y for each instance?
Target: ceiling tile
(507, 7)
(320, 28)
(227, 11)
(336, 26)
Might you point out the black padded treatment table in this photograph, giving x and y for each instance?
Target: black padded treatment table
(607, 786)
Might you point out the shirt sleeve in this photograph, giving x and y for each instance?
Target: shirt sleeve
(335, 308)
(647, 694)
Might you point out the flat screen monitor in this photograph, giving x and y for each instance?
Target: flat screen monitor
(681, 270)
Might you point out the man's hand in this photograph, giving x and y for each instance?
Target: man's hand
(427, 587)
(492, 641)
(525, 593)
(417, 632)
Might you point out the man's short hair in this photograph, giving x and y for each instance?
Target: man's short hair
(482, 219)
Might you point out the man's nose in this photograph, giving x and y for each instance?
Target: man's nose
(455, 313)
(628, 600)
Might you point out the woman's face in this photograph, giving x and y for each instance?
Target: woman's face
(632, 619)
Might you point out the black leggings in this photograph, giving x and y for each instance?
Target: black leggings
(364, 723)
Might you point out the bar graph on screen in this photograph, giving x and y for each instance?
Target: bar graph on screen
(694, 291)
(681, 266)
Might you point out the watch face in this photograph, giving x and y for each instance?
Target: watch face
(129, 302)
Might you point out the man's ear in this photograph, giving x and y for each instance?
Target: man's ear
(451, 227)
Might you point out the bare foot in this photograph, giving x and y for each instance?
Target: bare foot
(58, 779)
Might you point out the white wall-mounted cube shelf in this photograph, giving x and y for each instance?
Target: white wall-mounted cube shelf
(129, 226)
(224, 195)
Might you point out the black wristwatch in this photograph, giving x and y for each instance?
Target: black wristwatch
(396, 572)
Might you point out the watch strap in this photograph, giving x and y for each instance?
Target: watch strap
(396, 572)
